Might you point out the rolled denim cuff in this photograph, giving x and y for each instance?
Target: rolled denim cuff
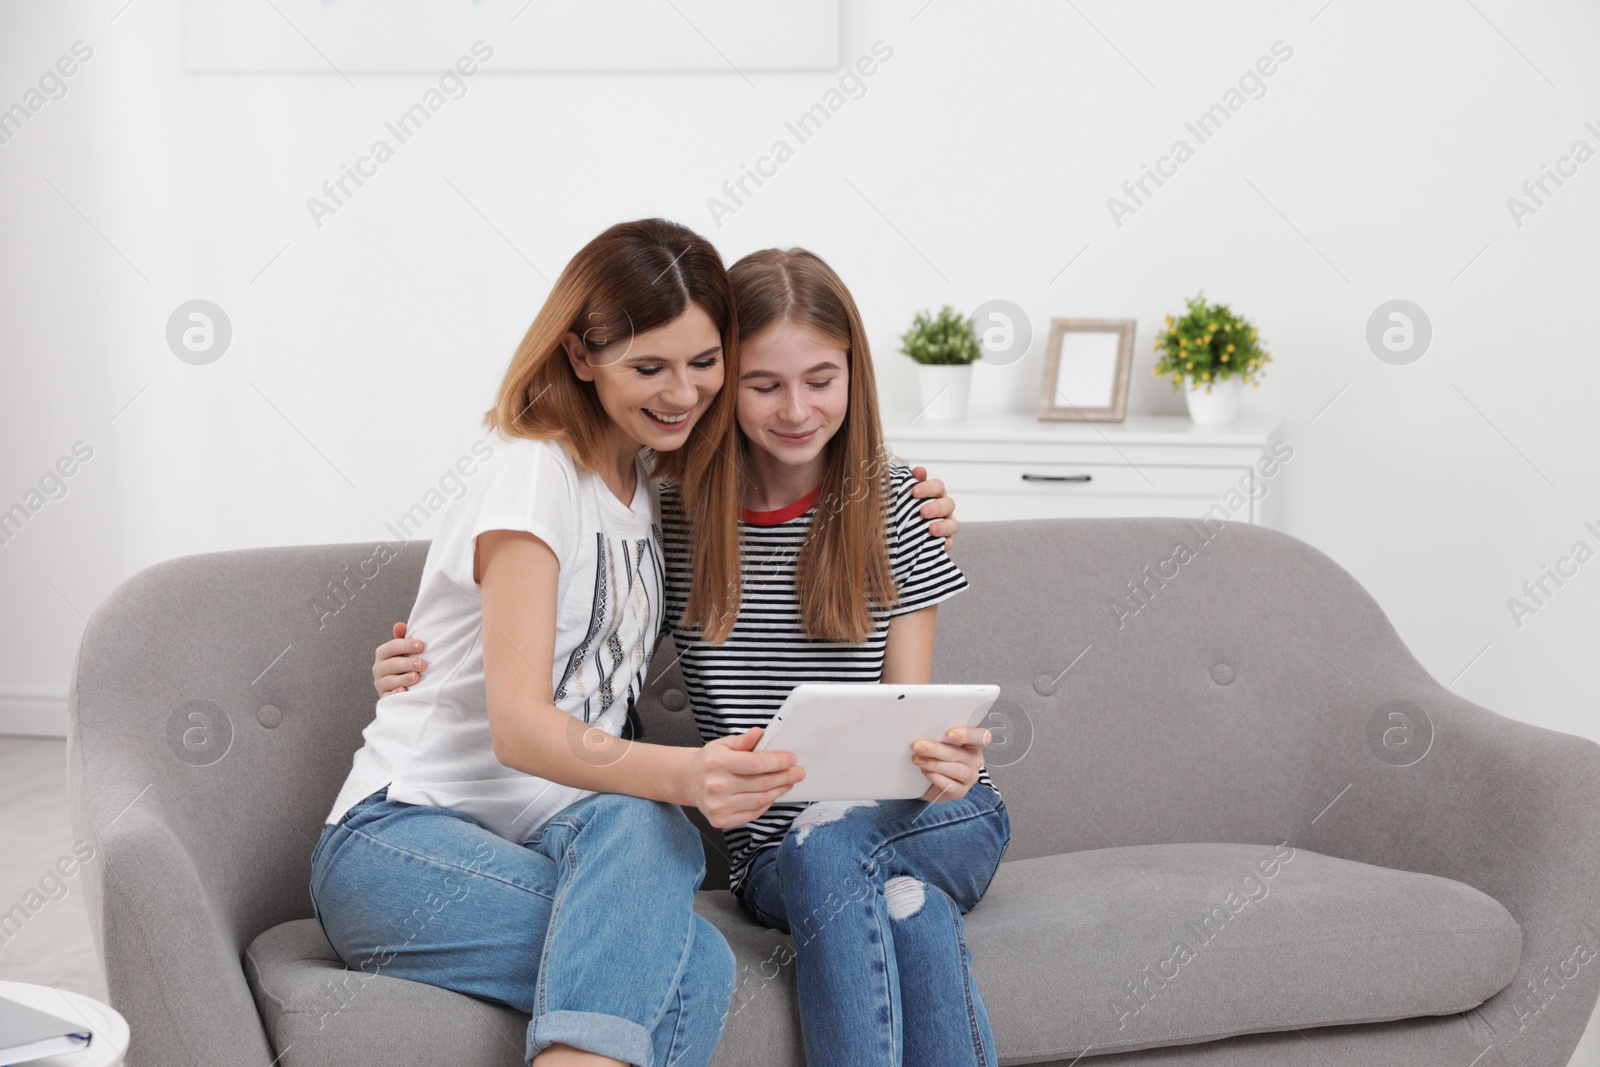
(604, 1035)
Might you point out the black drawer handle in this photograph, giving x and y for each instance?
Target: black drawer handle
(1057, 477)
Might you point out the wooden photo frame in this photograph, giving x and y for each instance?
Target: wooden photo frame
(1086, 370)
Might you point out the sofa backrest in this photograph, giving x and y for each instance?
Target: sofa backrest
(1161, 680)
(1157, 685)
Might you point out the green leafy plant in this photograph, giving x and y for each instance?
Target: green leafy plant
(948, 338)
(1209, 344)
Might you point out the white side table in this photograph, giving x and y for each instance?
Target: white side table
(110, 1028)
(1012, 466)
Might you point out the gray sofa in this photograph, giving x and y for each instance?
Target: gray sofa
(1248, 827)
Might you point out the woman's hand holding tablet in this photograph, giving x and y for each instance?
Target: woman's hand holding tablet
(734, 783)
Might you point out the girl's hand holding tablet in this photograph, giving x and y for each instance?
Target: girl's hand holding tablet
(951, 767)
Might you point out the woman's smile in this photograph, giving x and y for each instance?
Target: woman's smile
(669, 421)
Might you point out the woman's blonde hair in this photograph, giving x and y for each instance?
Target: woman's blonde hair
(634, 277)
(842, 572)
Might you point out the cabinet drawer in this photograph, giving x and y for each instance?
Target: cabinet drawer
(994, 491)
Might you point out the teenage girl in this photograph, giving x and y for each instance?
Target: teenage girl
(490, 839)
(820, 570)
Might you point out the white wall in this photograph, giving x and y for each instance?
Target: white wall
(976, 165)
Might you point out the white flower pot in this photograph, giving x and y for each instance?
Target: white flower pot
(1214, 408)
(945, 387)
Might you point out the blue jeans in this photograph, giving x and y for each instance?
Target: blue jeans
(588, 925)
(873, 894)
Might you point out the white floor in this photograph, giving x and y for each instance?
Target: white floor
(56, 947)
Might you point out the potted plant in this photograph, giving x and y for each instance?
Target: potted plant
(944, 347)
(1212, 352)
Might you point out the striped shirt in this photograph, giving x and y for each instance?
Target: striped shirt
(742, 683)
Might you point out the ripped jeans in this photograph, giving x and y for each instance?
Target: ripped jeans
(873, 894)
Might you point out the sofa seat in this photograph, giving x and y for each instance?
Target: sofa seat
(1107, 950)
(1181, 943)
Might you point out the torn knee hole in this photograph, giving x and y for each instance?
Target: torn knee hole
(822, 812)
(905, 896)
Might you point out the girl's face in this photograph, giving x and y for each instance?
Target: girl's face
(794, 391)
(657, 384)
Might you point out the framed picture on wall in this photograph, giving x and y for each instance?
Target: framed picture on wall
(1086, 370)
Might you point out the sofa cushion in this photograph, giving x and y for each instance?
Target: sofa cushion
(1107, 950)
(1126, 948)
(318, 1013)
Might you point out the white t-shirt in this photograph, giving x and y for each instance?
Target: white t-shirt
(431, 744)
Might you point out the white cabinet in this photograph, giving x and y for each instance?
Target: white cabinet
(1016, 467)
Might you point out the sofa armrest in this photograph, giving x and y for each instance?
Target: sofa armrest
(204, 848)
(1507, 807)
(170, 962)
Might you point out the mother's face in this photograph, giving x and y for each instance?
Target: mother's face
(655, 385)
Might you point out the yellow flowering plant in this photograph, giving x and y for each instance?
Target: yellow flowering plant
(1208, 344)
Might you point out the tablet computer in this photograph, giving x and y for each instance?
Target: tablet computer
(854, 738)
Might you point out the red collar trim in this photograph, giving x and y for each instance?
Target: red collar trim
(783, 514)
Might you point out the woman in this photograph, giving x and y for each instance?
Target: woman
(489, 839)
(764, 588)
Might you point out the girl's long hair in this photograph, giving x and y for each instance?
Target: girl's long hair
(842, 572)
(634, 277)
